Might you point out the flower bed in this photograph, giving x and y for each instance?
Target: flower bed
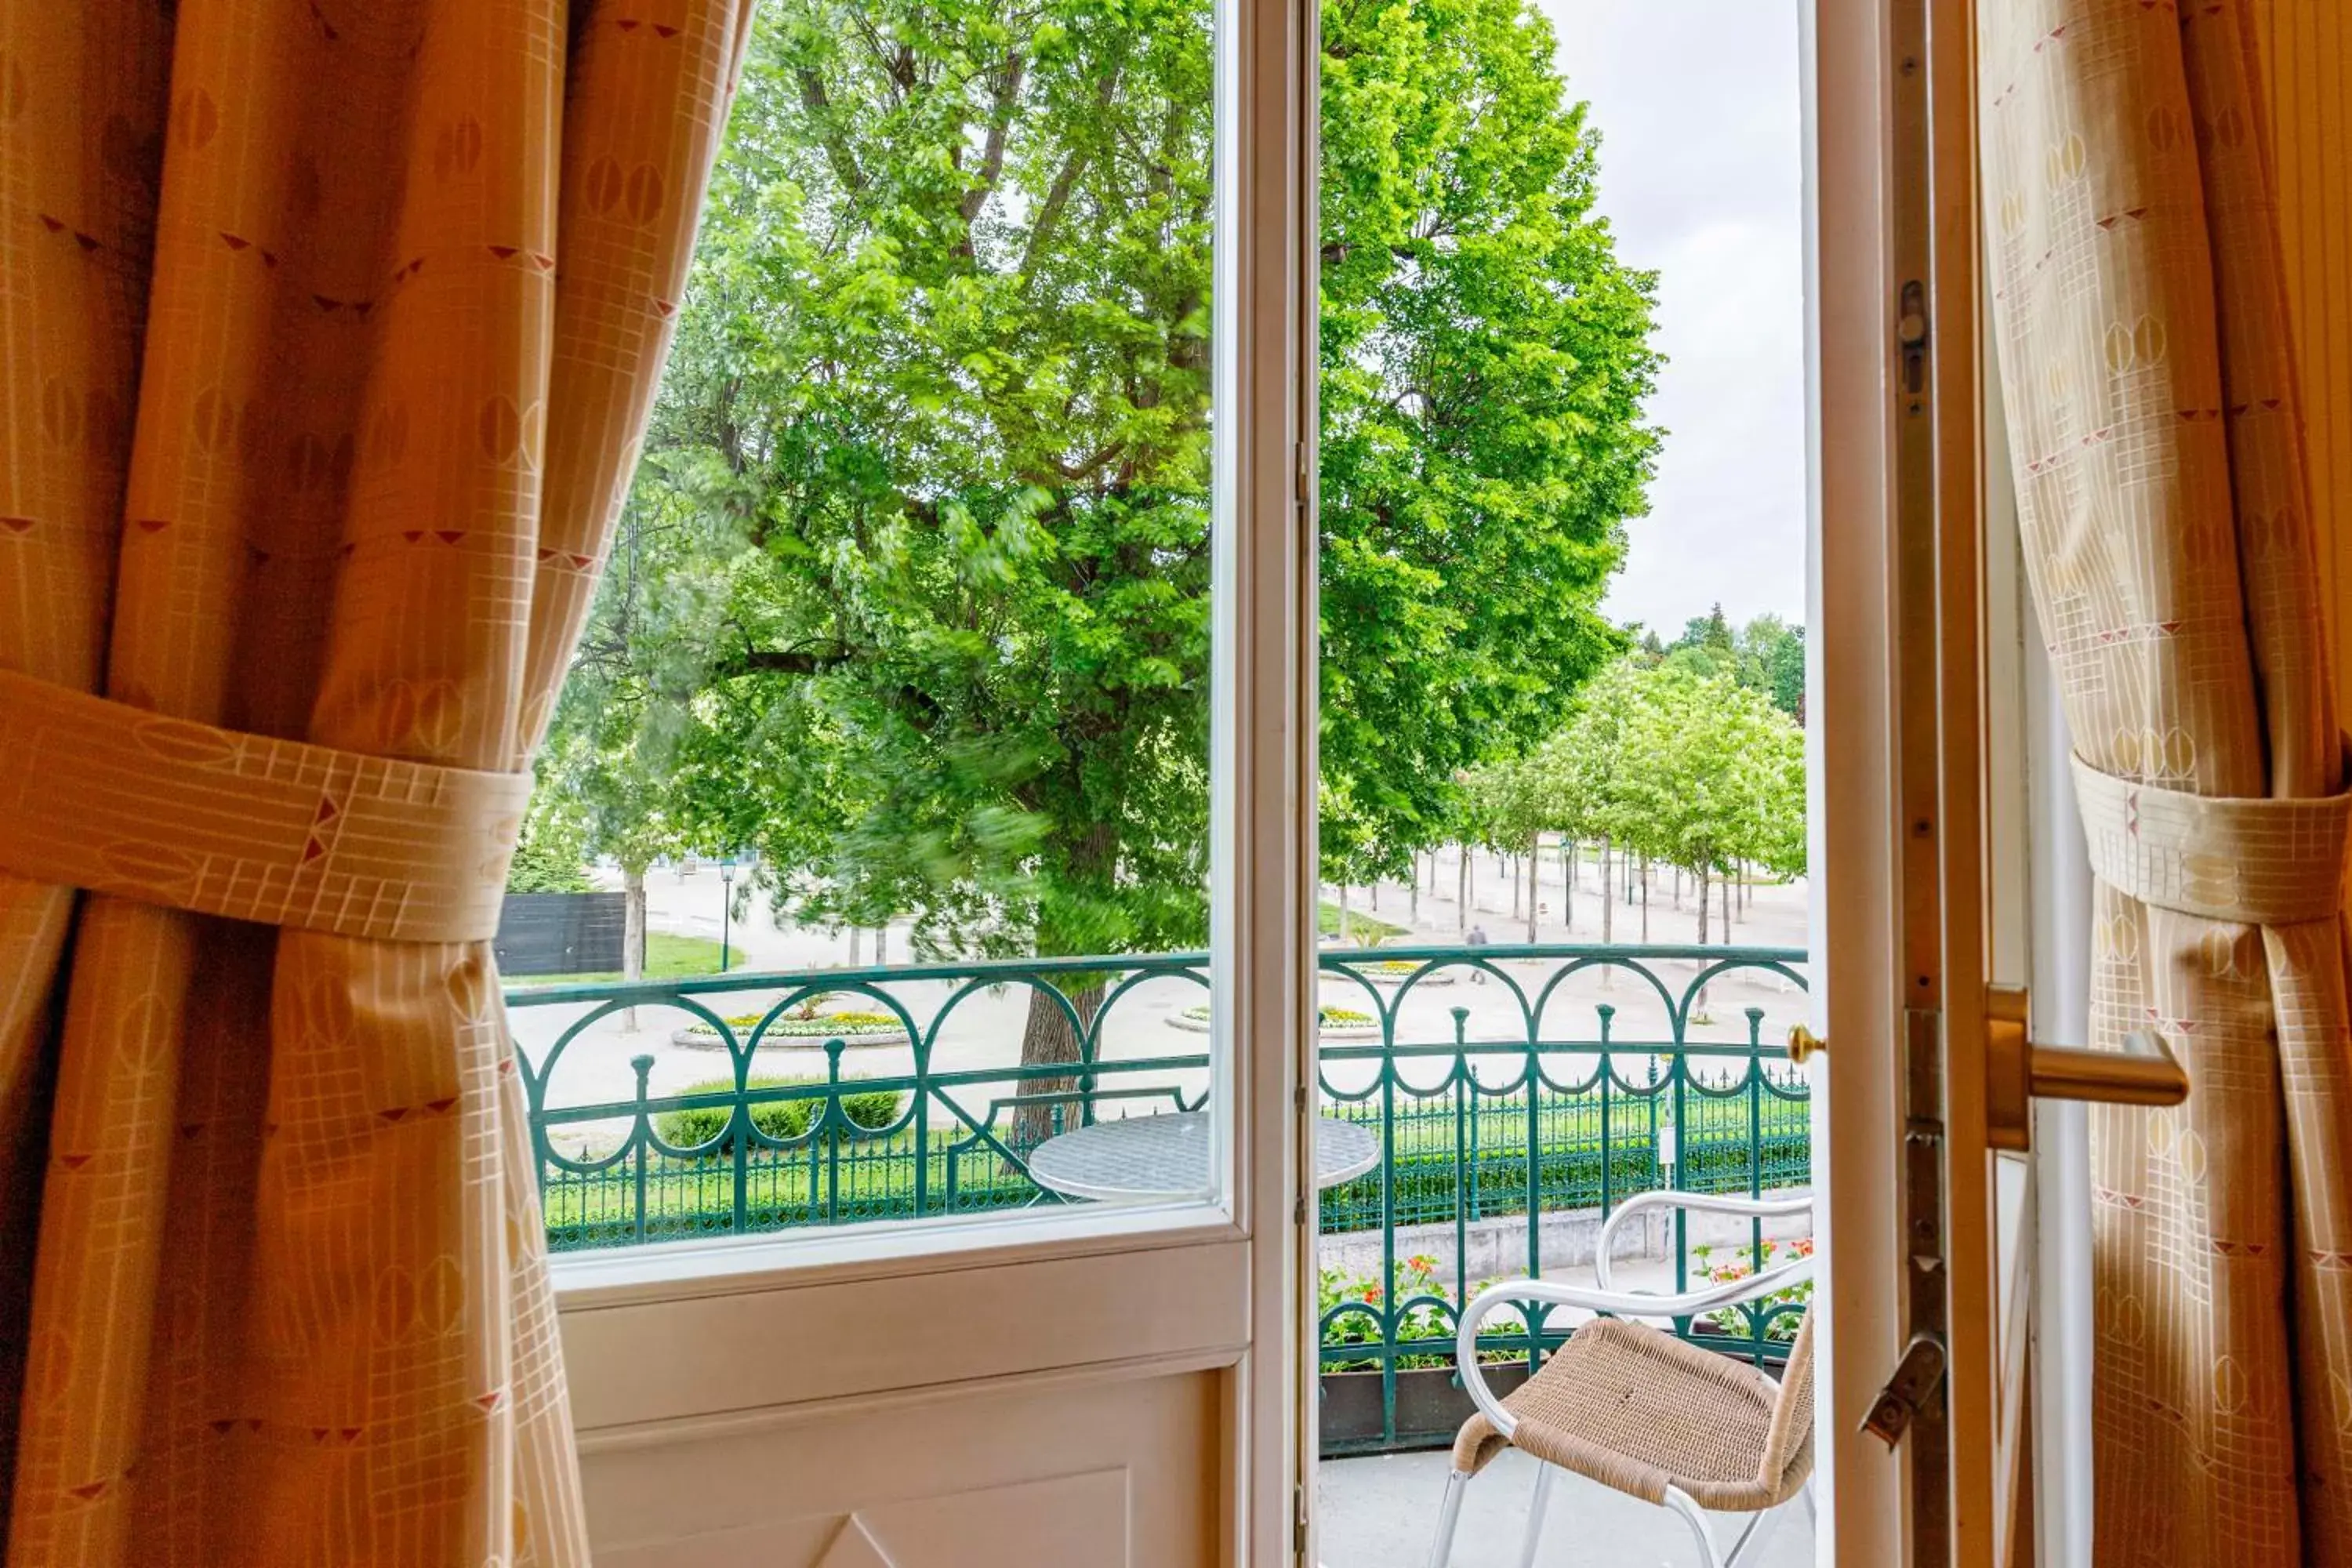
(1396, 971)
(1739, 1322)
(1428, 1314)
(801, 1029)
(1336, 1023)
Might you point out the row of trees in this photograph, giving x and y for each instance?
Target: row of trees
(1661, 763)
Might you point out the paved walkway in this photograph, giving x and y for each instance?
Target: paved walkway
(1380, 1512)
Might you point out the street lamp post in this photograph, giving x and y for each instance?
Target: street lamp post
(726, 906)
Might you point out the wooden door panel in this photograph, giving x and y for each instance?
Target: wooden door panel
(1073, 1520)
(762, 1348)
(1123, 1471)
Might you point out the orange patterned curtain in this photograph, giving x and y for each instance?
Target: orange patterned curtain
(2139, 303)
(328, 329)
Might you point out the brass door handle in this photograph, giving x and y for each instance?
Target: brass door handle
(1804, 1044)
(2019, 1072)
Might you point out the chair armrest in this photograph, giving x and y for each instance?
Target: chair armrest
(1617, 1303)
(1604, 1250)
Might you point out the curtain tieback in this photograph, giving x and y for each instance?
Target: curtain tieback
(2253, 861)
(96, 793)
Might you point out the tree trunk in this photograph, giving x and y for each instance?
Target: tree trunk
(1376, 895)
(1413, 899)
(1726, 907)
(1678, 886)
(1511, 874)
(881, 945)
(1701, 875)
(1568, 884)
(857, 945)
(1048, 1037)
(1535, 868)
(632, 936)
(1607, 899)
(1462, 886)
(1645, 900)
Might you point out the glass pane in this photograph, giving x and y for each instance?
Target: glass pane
(1563, 798)
(895, 702)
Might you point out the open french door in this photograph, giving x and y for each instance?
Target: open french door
(1923, 1397)
(1105, 1386)
(1955, 888)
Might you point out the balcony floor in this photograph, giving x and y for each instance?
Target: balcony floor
(1377, 1512)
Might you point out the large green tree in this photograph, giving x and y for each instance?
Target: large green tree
(1484, 358)
(919, 548)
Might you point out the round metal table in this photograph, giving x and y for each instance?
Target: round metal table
(1143, 1158)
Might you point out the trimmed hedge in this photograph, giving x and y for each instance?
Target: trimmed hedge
(836, 1178)
(1431, 1187)
(871, 1110)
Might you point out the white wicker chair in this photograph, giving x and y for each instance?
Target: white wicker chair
(1643, 1412)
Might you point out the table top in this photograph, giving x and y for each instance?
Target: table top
(1148, 1157)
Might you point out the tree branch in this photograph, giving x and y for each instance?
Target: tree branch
(784, 661)
(1000, 125)
(1058, 195)
(1089, 465)
(819, 105)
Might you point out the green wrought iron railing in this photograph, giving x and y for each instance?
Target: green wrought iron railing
(1517, 1092)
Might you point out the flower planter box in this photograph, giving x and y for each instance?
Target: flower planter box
(1430, 1404)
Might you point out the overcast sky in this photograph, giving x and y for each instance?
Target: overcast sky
(1696, 102)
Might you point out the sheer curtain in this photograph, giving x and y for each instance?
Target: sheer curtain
(2163, 486)
(327, 330)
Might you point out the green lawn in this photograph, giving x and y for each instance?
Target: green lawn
(1369, 930)
(668, 957)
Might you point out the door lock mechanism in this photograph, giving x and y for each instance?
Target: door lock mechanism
(1917, 1378)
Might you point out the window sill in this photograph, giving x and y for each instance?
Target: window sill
(678, 1271)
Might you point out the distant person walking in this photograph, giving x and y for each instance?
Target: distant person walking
(1477, 938)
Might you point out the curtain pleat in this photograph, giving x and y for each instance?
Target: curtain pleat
(327, 334)
(2164, 497)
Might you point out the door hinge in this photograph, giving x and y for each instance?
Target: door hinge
(1299, 1522)
(1916, 1379)
(1299, 476)
(1299, 1104)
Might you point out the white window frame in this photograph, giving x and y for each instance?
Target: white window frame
(680, 1338)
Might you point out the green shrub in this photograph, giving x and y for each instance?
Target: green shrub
(870, 1109)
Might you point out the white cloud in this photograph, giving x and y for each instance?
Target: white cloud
(1698, 106)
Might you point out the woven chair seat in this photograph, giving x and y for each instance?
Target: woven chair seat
(1639, 1410)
